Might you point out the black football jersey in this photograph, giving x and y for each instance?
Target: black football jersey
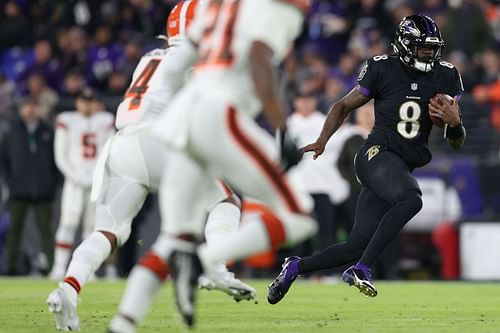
(401, 95)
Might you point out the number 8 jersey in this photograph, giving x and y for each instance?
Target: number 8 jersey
(402, 94)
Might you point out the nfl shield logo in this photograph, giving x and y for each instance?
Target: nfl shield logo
(414, 86)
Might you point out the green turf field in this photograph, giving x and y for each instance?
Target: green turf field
(309, 307)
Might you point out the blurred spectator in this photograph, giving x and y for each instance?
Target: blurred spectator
(315, 177)
(82, 13)
(46, 97)
(369, 15)
(29, 143)
(6, 97)
(148, 17)
(132, 54)
(42, 17)
(328, 28)
(334, 90)
(433, 8)
(490, 93)
(398, 9)
(492, 10)
(490, 67)
(14, 26)
(352, 137)
(470, 38)
(347, 70)
(102, 58)
(74, 82)
(465, 68)
(117, 84)
(45, 64)
(72, 51)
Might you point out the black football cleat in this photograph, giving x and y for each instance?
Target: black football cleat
(185, 269)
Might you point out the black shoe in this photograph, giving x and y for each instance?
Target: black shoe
(279, 287)
(185, 268)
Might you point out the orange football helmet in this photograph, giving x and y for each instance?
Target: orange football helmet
(179, 20)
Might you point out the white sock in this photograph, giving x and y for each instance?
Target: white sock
(251, 238)
(142, 286)
(70, 292)
(223, 221)
(88, 256)
(61, 258)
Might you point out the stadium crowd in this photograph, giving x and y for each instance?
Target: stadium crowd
(50, 50)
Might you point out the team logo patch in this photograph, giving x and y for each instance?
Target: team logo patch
(414, 86)
(372, 152)
(363, 71)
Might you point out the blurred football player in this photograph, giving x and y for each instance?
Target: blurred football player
(129, 168)
(79, 138)
(407, 89)
(210, 124)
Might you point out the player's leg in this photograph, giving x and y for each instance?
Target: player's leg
(43, 215)
(120, 199)
(71, 211)
(17, 212)
(369, 210)
(143, 283)
(390, 179)
(245, 156)
(223, 221)
(88, 219)
(184, 198)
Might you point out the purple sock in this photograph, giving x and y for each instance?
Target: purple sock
(293, 267)
(360, 265)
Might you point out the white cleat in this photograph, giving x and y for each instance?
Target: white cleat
(63, 311)
(121, 325)
(226, 282)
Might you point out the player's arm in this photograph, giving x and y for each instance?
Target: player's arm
(266, 87)
(266, 84)
(338, 112)
(61, 151)
(454, 131)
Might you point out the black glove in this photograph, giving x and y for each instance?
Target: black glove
(290, 155)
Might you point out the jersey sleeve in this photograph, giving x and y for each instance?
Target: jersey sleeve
(62, 121)
(368, 77)
(451, 81)
(456, 85)
(283, 20)
(61, 150)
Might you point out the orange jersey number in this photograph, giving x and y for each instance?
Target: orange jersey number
(215, 47)
(140, 85)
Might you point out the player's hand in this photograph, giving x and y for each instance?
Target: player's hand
(448, 111)
(290, 154)
(317, 147)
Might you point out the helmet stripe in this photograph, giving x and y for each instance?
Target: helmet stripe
(427, 26)
(182, 18)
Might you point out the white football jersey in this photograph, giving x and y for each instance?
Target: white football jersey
(226, 30)
(156, 78)
(78, 142)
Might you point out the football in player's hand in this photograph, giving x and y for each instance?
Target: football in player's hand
(447, 99)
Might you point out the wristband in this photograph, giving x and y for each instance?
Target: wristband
(454, 132)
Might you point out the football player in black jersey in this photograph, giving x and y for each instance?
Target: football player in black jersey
(407, 88)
